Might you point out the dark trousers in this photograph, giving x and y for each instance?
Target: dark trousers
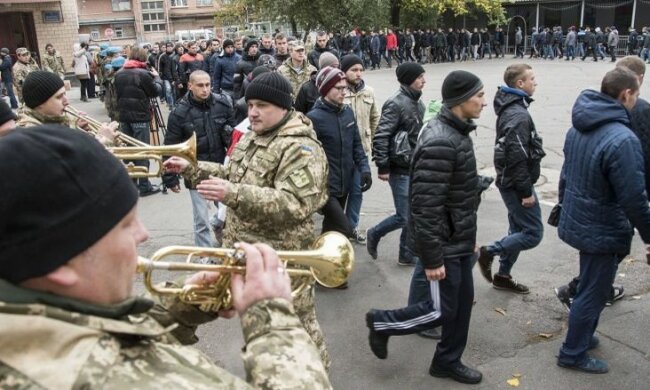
(9, 86)
(91, 86)
(449, 304)
(140, 131)
(334, 218)
(84, 88)
(597, 272)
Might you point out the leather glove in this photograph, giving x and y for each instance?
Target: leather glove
(366, 181)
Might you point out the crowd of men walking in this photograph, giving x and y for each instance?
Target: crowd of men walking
(311, 126)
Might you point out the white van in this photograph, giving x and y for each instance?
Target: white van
(193, 35)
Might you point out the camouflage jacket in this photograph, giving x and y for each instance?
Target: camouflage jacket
(29, 118)
(278, 181)
(366, 112)
(297, 79)
(54, 63)
(21, 71)
(51, 342)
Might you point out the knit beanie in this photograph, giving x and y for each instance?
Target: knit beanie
(258, 71)
(249, 44)
(271, 87)
(228, 42)
(327, 59)
(39, 86)
(5, 112)
(458, 87)
(327, 78)
(408, 72)
(82, 193)
(349, 61)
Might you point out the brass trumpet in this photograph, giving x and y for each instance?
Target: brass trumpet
(185, 150)
(96, 125)
(330, 262)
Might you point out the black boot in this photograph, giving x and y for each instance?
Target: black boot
(378, 342)
(458, 372)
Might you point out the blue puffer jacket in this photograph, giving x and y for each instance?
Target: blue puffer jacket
(602, 185)
(337, 130)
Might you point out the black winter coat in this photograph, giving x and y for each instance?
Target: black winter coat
(336, 129)
(444, 190)
(211, 120)
(244, 67)
(518, 148)
(166, 64)
(188, 63)
(314, 55)
(401, 112)
(307, 95)
(134, 87)
(640, 125)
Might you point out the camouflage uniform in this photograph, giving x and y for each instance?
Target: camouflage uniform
(278, 181)
(29, 118)
(110, 97)
(54, 63)
(21, 70)
(62, 343)
(296, 79)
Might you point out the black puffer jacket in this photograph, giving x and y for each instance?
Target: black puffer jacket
(401, 112)
(307, 95)
(640, 125)
(518, 148)
(134, 88)
(444, 190)
(243, 68)
(211, 120)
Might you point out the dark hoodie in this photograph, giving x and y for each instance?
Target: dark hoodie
(244, 67)
(602, 187)
(518, 148)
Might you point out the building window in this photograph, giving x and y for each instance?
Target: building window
(154, 17)
(179, 3)
(121, 5)
(119, 32)
(152, 5)
(203, 3)
(154, 27)
(94, 35)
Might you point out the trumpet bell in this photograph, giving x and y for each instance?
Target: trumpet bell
(337, 259)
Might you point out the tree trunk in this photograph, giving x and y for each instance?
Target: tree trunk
(395, 8)
(294, 26)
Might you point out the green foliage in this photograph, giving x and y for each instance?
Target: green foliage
(333, 15)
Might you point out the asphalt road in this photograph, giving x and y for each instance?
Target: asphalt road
(522, 342)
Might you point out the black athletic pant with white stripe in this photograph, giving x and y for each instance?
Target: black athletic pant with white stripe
(450, 306)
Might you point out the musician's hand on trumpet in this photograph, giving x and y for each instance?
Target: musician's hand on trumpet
(82, 123)
(214, 189)
(175, 165)
(265, 278)
(107, 134)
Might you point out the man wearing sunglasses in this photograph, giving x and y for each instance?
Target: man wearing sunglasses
(22, 68)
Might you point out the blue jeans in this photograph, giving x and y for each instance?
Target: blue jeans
(9, 86)
(570, 52)
(525, 230)
(399, 186)
(597, 272)
(169, 92)
(355, 197)
(140, 131)
(201, 216)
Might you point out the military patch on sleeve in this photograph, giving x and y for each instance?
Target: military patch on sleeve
(306, 150)
(301, 178)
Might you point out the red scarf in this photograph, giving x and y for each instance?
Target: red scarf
(131, 64)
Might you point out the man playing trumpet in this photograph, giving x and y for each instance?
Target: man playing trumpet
(46, 101)
(275, 181)
(67, 317)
